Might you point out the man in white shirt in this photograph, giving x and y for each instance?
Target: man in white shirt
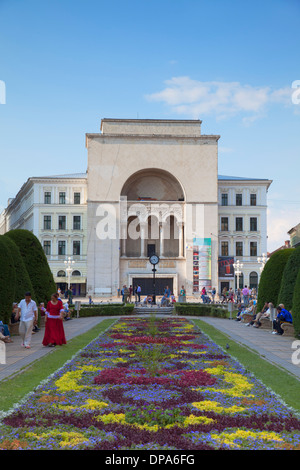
(28, 311)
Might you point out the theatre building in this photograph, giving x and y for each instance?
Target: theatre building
(151, 187)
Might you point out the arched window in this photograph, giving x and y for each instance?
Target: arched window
(61, 273)
(76, 273)
(253, 280)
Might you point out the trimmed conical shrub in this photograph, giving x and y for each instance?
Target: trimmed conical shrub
(35, 262)
(288, 281)
(270, 280)
(7, 281)
(296, 306)
(23, 283)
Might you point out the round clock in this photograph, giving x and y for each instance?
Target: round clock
(154, 259)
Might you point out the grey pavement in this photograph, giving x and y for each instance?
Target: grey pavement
(276, 349)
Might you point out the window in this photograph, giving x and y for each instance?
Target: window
(61, 273)
(252, 199)
(253, 280)
(239, 224)
(239, 248)
(47, 197)
(62, 222)
(239, 199)
(76, 222)
(61, 247)
(224, 199)
(224, 224)
(62, 198)
(224, 249)
(76, 273)
(253, 248)
(47, 222)
(76, 247)
(76, 198)
(253, 224)
(47, 247)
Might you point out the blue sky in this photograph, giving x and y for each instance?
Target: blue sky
(65, 65)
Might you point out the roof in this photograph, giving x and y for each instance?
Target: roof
(240, 178)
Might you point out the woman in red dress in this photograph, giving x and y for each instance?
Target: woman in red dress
(54, 329)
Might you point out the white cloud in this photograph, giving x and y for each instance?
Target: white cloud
(222, 99)
(280, 221)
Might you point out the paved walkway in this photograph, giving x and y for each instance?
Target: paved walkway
(275, 349)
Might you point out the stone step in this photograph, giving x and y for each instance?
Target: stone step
(153, 310)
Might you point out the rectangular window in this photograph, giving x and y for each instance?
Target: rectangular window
(62, 224)
(253, 224)
(224, 224)
(224, 249)
(76, 198)
(47, 197)
(62, 198)
(61, 247)
(76, 222)
(252, 199)
(253, 248)
(239, 199)
(239, 224)
(47, 247)
(224, 199)
(76, 247)
(239, 248)
(47, 222)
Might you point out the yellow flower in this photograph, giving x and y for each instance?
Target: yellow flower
(208, 405)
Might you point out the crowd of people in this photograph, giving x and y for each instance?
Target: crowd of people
(25, 314)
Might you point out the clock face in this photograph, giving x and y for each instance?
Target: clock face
(154, 259)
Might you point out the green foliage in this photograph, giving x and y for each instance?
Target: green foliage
(23, 283)
(195, 309)
(270, 280)
(35, 262)
(7, 281)
(296, 306)
(288, 281)
(106, 310)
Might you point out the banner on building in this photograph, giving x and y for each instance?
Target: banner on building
(201, 264)
(226, 266)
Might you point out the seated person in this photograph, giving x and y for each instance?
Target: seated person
(164, 301)
(283, 316)
(67, 312)
(14, 313)
(265, 313)
(239, 311)
(248, 310)
(4, 333)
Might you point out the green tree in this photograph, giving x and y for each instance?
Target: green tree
(7, 281)
(288, 281)
(296, 305)
(35, 262)
(23, 283)
(270, 280)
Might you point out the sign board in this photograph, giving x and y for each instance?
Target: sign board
(226, 266)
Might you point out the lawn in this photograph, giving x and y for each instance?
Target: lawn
(151, 384)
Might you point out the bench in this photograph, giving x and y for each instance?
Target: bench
(13, 328)
(288, 329)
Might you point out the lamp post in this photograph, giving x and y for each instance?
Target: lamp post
(238, 270)
(154, 260)
(262, 260)
(69, 263)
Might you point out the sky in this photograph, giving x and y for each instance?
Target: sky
(67, 64)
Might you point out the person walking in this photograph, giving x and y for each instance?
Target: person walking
(54, 329)
(28, 314)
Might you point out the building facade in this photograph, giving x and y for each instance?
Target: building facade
(152, 186)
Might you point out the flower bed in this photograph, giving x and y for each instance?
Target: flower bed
(151, 384)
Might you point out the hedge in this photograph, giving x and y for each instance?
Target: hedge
(7, 281)
(22, 283)
(288, 281)
(35, 262)
(105, 310)
(197, 309)
(270, 280)
(296, 306)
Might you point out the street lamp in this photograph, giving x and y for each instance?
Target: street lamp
(238, 270)
(68, 263)
(262, 260)
(154, 260)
